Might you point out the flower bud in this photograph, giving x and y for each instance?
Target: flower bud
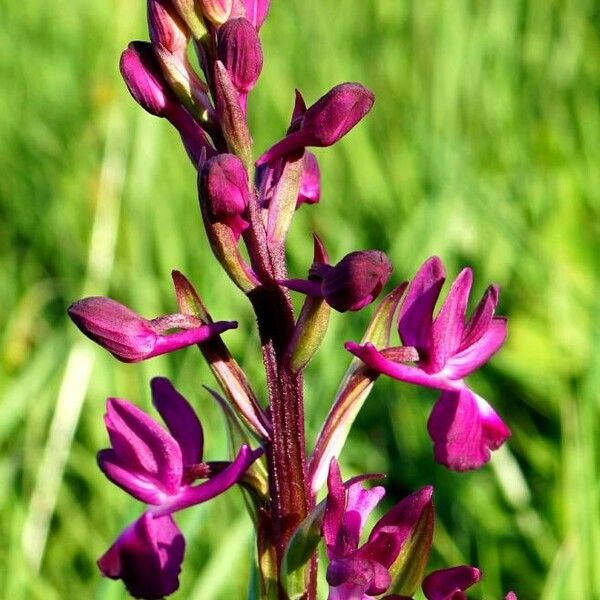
(131, 338)
(356, 280)
(337, 112)
(225, 190)
(166, 28)
(310, 182)
(240, 51)
(144, 79)
(325, 122)
(147, 556)
(216, 11)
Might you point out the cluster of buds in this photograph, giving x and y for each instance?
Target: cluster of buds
(247, 207)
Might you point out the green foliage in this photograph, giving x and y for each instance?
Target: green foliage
(483, 147)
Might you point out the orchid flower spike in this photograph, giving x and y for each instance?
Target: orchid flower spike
(131, 338)
(325, 122)
(351, 284)
(463, 426)
(159, 468)
(362, 572)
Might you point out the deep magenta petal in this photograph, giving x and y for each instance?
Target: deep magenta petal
(134, 482)
(409, 374)
(310, 182)
(360, 502)
(416, 312)
(143, 446)
(256, 11)
(481, 318)
(147, 556)
(180, 418)
(449, 325)
(476, 355)
(190, 496)
(464, 429)
(448, 584)
(188, 337)
(334, 508)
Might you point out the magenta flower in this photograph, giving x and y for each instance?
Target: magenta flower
(361, 572)
(147, 556)
(159, 468)
(325, 122)
(462, 425)
(450, 584)
(131, 338)
(351, 284)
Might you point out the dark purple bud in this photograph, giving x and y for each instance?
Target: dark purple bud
(144, 79)
(166, 28)
(147, 556)
(326, 121)
(224, 189)
(356, 280)
(310, 182)
(131, 338)
(216, 11)
(240, 52)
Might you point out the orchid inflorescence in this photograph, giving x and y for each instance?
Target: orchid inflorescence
(251, 202)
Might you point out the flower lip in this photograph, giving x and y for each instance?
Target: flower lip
(147, 556)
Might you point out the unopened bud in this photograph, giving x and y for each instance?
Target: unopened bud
(216, 11)
(225, 191)
(326, 121)
(240, 52)
(131, 338)
(166, 28)
(356, 280)
(144, 79)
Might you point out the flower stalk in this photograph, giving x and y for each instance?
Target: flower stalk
(247, 206)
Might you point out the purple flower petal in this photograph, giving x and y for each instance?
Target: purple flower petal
(416, 311)
(142, 446)
(147, 556)
(180, 418)
(256, 11)
(310, 182)
(392, 531)
(448, 327)
(221, 482)
(189, 337)
(471, 358)
(409, 374)
(481, 318)
(134, 482)
(334, 507)
(355, 576)
(449, 584)
(464, 429)
(510, 596)
(360, 502)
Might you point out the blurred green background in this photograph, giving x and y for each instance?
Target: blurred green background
(483, 147)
